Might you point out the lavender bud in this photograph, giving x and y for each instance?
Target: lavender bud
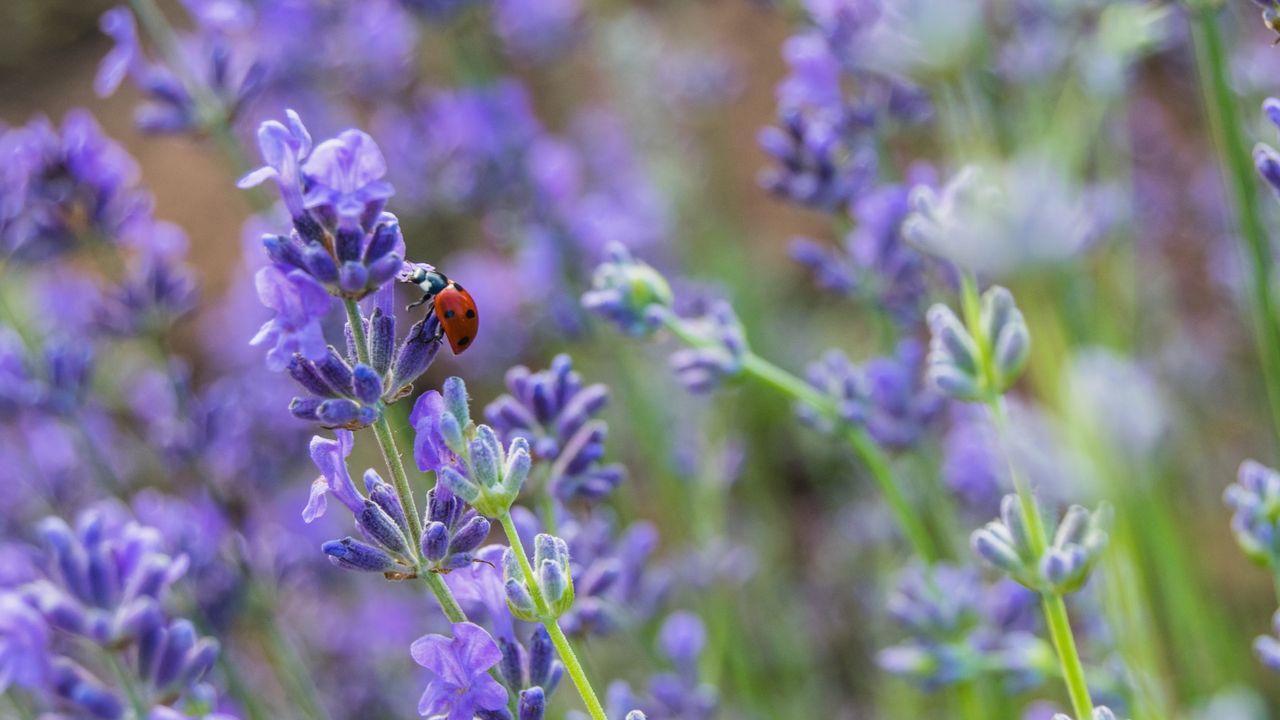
(435, 542)
(541, 657)
(308, 376)
(533, 704)
(470, 536)
(551, 578)
(456, 400)
(367, 383)
(953, 365)
(319, 263)
(455, 483)
(386, 498)
(352, 278)
(180, 638)
(382, 339)
(510, 666)
(626, 292)
(484, 461)
(1007, 336)
(335, 371)
(520, 601)
(351, 554)
(381, 528)
(417, 352)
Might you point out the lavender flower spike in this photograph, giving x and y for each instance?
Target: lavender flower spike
(554, 583)
(1064, 566)
(462, 686)
(555, 413)
(335, 194)
(628, 293)
(718, 357)
(1255, 501)
(469, 459)
(1267, 647)
(977, 367)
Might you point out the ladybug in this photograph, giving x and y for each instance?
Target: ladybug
(453, 306)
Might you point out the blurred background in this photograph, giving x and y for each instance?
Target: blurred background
(522, 141)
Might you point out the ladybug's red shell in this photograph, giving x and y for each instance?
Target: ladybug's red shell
(458, 316)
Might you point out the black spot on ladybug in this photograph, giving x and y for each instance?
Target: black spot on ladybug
(464, 341)
(457, 286)
(471, 314)
(448, 314)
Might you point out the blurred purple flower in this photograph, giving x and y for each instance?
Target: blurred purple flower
(24, 644)
(538, 30)
(61, 189)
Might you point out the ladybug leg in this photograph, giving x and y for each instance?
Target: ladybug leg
(423, 301)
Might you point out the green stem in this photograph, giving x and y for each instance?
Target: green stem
(1223, 113)
(20, 708)
(1055, 613)
(283, 655)
(868, 452)
(448, 603)
(136, 701)
(567, 655)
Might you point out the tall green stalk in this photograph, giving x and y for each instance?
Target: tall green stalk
(1222, 111)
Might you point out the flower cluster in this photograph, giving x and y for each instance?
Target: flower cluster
(334, 192)
(874, 262)
(976, 363)
(103, 595)
(629, 293)
(1062, 567)
(884, 395)
(555, 414)
(1255, 503)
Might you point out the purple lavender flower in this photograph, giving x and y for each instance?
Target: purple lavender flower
(452, 531)
(24, 644)
(106, 583)
(1255, 503)
(1267, 647)
(554, 413)
(59, 190)
(628, 293)
(882, 395)
(539, 30)
(330, 456)
(335, 194)
(1265, 157)
(469, 460)
(1064, 566)
(609, 573)
(462, 685)
(874, 261)
(817, 165)
(719, 354)
(463, 149)
(172, 106)
(345, 393)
